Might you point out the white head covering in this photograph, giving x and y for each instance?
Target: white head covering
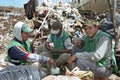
(21, 26)
(17, 30)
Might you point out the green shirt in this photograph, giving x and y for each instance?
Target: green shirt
(90, 46)
(59, 43)
(27, 47)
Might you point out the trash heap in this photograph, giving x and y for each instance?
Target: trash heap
(8, 17)
(43, 17)
(45, 14)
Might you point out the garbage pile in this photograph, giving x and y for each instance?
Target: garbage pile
(8, 17)
(74, 74)
(43, 16)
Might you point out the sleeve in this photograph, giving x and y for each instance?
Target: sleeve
(68, 44)
(17, 53)
(103, 46)
(49, 39)
(43, 59)
(37, 58)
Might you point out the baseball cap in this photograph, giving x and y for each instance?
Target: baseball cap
(26, 28)
(89, 23)
(56, 25)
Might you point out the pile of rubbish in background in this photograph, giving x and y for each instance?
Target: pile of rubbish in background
(40, 18)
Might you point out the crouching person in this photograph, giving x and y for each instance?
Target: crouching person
(98, 52)
(20, 52)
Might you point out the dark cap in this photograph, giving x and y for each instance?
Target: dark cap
(56, 25)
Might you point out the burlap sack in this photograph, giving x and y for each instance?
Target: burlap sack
(83, 75)
(75, 74)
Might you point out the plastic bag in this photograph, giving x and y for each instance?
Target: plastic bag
(22, 72)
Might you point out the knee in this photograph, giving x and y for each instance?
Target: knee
(39, 49)
(45, 54)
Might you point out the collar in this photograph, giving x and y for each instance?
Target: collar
(95, 35)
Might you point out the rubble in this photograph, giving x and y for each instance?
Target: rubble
(38, 23)
(7, 20)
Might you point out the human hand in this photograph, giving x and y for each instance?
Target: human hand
(71, 59)
(78, 43)
(51, 61)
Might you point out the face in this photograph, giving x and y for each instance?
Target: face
(25, 36)
(90, 31)
(56, 31)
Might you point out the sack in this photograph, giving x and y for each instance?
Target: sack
(29, 9)
(60, 77)
(108, 28)
(75, 74)
(22, 72)
(83, 75)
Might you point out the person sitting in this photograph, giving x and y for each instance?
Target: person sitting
(58, 45)
(97, 54)
(20, 51)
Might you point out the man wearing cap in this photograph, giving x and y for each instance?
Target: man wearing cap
(62, 46)
(20, 51)
(98, 52)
